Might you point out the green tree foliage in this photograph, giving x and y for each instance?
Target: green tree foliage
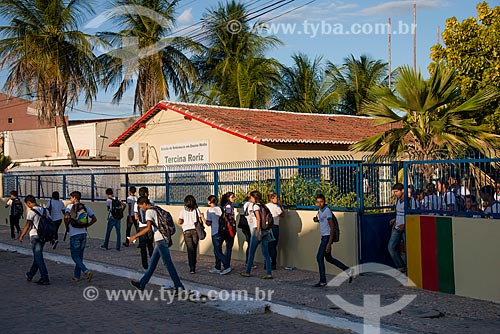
(304, 87)
(354, 80)
(48, 57)
(425, 116)
(472, 48)
(156, 63)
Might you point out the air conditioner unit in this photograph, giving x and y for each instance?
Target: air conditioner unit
(137, 154)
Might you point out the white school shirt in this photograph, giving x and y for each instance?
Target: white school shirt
(152, 216)
(431, 202)
(32, 216)
(493, 208)
(323, 217)
(275, 211)
(448, 199)
(141, 214)
(213, 215)
(56, 209)
(75, 230)
(251, 218)
(131, 201)
(400, 213)
(189, 218)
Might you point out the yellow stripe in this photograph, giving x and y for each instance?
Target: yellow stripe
(413, 249)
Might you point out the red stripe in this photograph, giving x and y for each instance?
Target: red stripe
(429, 253)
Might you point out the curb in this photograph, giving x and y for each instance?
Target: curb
(277, 308)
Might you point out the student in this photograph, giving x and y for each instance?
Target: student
(15, 214)
(259, 236)
(245, 227)
(448, 202)
(56, 209)
(131, 221)
(213, 214)
(492, 206)
(78, 236)
(187, 217)
(227, 204)
(398, 228)
(274, 205)
(145, 240)
(112, 222)
(160, 250)
(431, 200)
(326, 229)
(32, 220)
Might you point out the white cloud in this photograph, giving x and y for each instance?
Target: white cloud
(186, 16)
(400, 7)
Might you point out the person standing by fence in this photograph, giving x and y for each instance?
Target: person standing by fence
(56, 210)
(213, 214)
(398, 228)
(15, 214)
(188, 216)
(131, 221)
(278, 212)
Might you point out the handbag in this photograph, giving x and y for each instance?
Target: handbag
(200, 228)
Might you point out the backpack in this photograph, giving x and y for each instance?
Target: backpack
(116, 208)
(78, 216)
(227, 225)
(17, 207)
(336, 229)
(165, 224)
(266, 217)
(46, 229)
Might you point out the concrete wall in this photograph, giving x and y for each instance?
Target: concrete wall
(298, 245)
(26, 144)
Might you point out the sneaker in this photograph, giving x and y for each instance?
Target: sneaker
(226, 271)
(103, 247)
(402, 269)
(125, 244)
(54, 245)
(137, 285)
(75, 280)
(267, 277)
(214, 271)
(192, 272)
(43, 281)
(89, 275)
(350, 274)
(245, 274)
(29, 278)
(319, 285)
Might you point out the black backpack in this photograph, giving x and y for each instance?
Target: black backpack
(227, 225)
(17, 207)
(116, 208)
(266, 217)
(46, 229)
(165, 224)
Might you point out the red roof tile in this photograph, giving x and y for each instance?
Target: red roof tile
(268, 126)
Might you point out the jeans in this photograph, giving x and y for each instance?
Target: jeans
(322, 255)
(273, 245)
(191, 239)
(254, 242)
(161, 250)
(393, 248)
(77, 245)
(14, 223)
(248, 236)
(113, 222)
(38, 262)
(58, 224)
(131, 222)
(229, 249)
(220, 257)
(146, 246)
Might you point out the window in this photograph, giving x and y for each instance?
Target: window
(10, 120)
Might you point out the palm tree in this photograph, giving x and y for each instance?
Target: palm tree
(427, 117)
(5, 162)
(233, 69)
(157, 63)
(354, 80)
(48, 57)
(305, 88)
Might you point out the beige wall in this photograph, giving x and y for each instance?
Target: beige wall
(171, 128)
(25, 144)
(476, 258)
(288, 151)
(299, 237)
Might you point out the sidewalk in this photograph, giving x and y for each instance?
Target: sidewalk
(430, 312)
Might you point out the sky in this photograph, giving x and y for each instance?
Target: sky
(330, 29)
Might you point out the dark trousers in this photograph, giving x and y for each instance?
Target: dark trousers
(273, 245)
(131, 222)
(146, 245)
(323, 255)
(14, 223)
(57, 223)
(248, 235)
(191, 239)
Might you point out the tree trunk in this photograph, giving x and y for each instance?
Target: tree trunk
(64, 126)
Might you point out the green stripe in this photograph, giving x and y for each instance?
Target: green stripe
(444, 240)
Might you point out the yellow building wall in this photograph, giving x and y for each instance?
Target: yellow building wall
(298, 244)
(302, 151)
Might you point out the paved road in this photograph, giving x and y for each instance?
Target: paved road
(61, 308)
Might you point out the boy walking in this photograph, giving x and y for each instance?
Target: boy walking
(76, 218)
(115, 215)
(15, 214)
(398, 227)
(32, 220)
(326, 229)
(131, 221)
(160, 250)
